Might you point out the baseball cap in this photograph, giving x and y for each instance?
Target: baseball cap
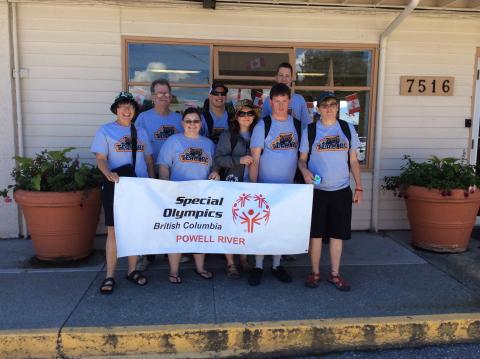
(216, 84)
(324, 95)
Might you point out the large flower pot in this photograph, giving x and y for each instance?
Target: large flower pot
(441, 223)
(62, 224)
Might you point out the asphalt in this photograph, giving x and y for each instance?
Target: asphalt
(400, 296)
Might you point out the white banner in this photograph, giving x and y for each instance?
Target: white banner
(155, 216)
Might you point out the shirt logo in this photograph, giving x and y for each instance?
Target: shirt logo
(164, 132)
(250, 210)
(194, 155)
(331, 143)
(284, 141)
(125, 145)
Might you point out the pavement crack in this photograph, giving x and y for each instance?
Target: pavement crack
(59, 349)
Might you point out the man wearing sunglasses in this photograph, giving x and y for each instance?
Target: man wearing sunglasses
(215, 117)
(297, 107)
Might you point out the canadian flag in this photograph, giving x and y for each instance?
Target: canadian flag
(139, 94)
(258, 100)
(256, 63)
(353, 104)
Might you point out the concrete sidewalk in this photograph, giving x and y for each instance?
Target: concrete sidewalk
(400, 296)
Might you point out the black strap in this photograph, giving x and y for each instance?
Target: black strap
(312, 133)
(133, 135)
(267, 120)
(209, 120)
(233, 141)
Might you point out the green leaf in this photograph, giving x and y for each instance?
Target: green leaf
(36, 181)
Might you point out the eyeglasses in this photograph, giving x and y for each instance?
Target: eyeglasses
(191, 122)
(216, 93)
(328, 105)
(161, 94)
(246, 113)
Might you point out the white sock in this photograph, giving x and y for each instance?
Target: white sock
(259, 261)
(276, 261)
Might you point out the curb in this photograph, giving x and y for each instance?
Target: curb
(242, 339)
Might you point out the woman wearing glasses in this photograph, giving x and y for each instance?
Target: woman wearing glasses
(233, 157)
(183, 157)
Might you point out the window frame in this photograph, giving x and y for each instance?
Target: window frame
(267, 47)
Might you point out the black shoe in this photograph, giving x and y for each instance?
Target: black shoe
(255, 276)
(281, 274)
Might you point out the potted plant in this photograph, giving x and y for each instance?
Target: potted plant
(442, 201)
(60, 199)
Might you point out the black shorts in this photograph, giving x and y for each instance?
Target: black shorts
(332, 214)
(107, 202)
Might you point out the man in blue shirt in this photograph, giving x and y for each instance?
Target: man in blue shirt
(297, 107)
(275, 156)
(215, 117)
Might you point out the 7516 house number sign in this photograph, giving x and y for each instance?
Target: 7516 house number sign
(426, 86)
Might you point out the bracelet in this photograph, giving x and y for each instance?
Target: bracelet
(358, 190)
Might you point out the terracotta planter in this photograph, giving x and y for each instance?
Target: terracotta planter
(62, 224)
(441, 223)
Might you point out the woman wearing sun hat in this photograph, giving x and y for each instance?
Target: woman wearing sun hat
(233, 157)
(120, 150)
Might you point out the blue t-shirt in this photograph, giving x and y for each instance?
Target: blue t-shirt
(159, 127)
(278, 161)
(114, 141)
(246, 136)
(298, 107)
(329, 155)
(187, 158)
(220, 124)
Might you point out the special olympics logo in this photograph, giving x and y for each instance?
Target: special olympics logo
(251, 210)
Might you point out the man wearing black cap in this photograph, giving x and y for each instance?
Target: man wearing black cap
(215, 117)
(327, 156)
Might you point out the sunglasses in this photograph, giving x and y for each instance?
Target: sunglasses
(216, 93)
(191, 122)
(246, 113)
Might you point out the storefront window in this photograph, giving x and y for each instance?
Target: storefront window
(249, 72)
(179, 64)
(333, 67)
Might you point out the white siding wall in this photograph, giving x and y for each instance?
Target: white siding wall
(422, 126)
(73, 54)
(8, 212)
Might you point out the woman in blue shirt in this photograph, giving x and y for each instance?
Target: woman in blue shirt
(184, 157)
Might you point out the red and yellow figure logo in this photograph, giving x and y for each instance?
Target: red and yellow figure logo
(251, 210)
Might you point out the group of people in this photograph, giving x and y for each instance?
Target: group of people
(283, 145)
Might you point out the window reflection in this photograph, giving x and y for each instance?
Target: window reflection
(177, 63)
(317, 67)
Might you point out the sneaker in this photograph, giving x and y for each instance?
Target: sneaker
(339, 282)
(281, 274)
(255, 276)
(312, 280)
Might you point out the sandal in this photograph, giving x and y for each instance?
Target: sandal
(205, 274)
(107, 286)
(232, 272)
(174, 279)
(312, 280)
(339, 282)
(137, 277)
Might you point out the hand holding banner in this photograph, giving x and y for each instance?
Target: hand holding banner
(155, 216)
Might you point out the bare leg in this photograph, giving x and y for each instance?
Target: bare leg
(174, 262)
(230, 260)
(111, 251)
(336, 246)
(132, 263)
(199, 262)
(315, 251)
